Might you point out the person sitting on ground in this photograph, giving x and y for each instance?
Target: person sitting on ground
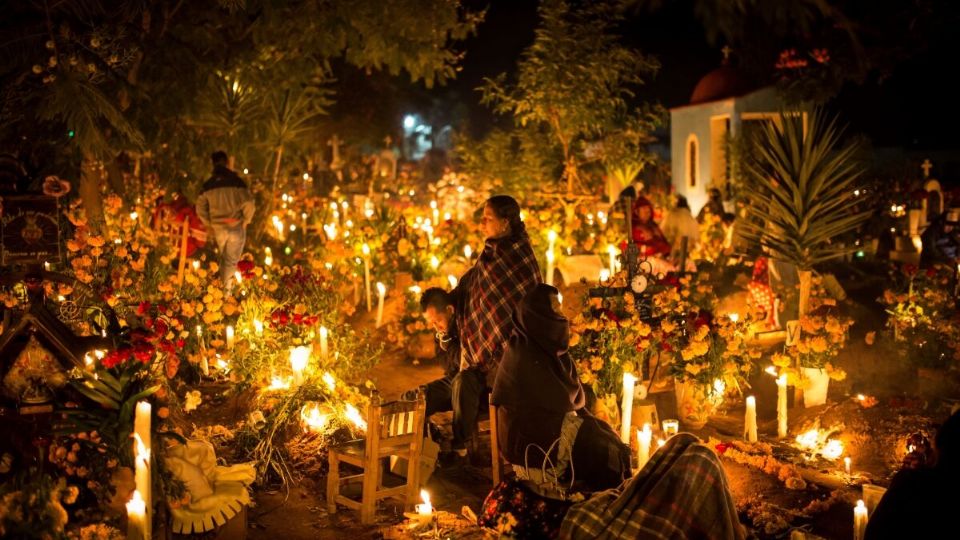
(680, 494)
(920, 502)
(646, 233)
(541, 404)
(458, 390)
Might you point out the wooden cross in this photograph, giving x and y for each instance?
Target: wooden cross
(926, 166)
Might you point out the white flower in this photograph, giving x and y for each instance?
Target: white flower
(192, 401)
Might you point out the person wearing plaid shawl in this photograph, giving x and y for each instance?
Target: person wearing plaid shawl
(681, 493)
(505, 271)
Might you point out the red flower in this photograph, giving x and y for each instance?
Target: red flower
(117, 357)
(245, 267)
(143, 352)
(143, 308)
(670, 280)
(704, 318)
(666, 347)
(721, 447)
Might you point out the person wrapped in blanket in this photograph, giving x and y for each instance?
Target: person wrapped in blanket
(681, 493)
(541, 414)
(484, 301)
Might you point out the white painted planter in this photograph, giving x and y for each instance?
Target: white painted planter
(816, 391)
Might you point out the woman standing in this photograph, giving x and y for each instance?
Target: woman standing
(504, 272)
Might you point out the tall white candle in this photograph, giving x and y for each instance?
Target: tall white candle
(846, 465)
(604, 275)
(230, 337)
(136, 518)
(366, 273)
(323, 342)
(750, 420)
(142, 459)
(859, 521)
(644, 437)
(299, 356)
(381, 291)
(612, 251)
(436, 212)
(626, 407)
(552, 239)
(782, 406)
(549, 276)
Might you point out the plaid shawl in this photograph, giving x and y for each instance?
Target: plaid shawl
(681, 493)
(505, 271)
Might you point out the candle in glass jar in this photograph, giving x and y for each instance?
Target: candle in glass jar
(671, 427)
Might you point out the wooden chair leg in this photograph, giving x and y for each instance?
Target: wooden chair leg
(368, 500)
(494, 446)
(413, 479)
(333, 483)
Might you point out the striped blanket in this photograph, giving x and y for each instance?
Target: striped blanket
(681, 493)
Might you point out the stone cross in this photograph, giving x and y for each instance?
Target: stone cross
(926, 166)
(335, 143)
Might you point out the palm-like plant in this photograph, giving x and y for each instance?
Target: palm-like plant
(799, 184)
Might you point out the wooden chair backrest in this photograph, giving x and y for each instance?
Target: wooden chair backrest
(395, 423)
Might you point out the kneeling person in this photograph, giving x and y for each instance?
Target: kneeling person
(458, 390)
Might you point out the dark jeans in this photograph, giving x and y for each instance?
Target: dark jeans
(462, 394)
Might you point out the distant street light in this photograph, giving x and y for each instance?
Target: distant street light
(409, 121)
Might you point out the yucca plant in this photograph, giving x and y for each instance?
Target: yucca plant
(799, 183)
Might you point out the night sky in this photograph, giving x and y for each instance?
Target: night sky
(916, 108)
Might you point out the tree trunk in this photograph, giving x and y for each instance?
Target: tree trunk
(89, 191)
(115, 179)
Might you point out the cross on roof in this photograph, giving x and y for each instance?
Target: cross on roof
(926, 166)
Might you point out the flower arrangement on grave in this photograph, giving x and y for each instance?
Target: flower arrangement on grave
(922, 315)
(823, 334)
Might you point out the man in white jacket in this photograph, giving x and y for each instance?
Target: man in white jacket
(225, 206)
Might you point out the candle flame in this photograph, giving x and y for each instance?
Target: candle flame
(381, 288)
(425, 496)
(354, 416)
(315, 420)
(453, 281)
(329, 381)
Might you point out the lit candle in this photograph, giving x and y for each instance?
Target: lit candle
(299, 356)
(436, 213)
(671, 427)
(196, 265)
(644, 436)
(137, 518)
(142, 441)
(425, 510)
(846, 465)
(612, 251)
(626, 406)
(552, 238)
(237, 276)
(323, 342)
(258, 327)
(604, 275)
(750, 420)
(452, 279)
(329, 381)
(366, 272)
(46, 266)
(550, 258)
(660, 443)
(782, 406)
(230, 337)
(381, 292)
(859, 520)
(467, 252)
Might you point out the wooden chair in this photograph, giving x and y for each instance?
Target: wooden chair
(488, 424)
(393, 429)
